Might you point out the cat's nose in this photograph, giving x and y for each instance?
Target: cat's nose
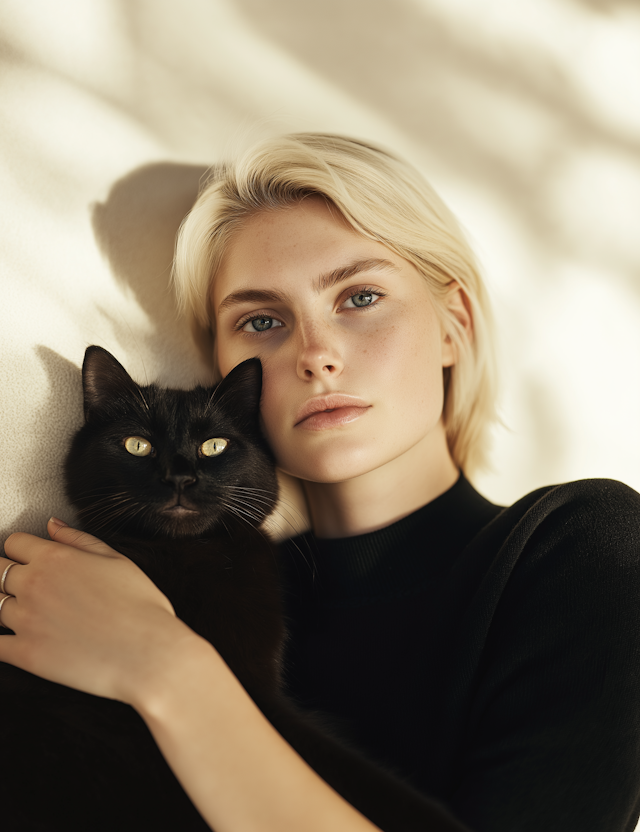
(179, 481)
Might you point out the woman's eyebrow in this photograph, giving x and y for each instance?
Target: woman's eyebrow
(251, 296)
(372, 264)
(323, 282)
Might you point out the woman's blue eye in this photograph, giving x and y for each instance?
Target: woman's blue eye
(362, 299)
(261, 324)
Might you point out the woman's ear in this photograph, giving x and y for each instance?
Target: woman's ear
(457, 315)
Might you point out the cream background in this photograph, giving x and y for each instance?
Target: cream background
(525, 114)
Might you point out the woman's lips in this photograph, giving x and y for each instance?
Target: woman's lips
(330, 411)
(332, 418)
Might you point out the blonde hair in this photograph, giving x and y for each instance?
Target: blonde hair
(382, 198)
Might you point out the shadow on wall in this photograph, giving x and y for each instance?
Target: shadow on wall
(136, 228)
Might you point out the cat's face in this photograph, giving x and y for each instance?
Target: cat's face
(157, 462)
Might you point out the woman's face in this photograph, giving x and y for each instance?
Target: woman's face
(333, 314)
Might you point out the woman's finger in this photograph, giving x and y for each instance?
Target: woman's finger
(5, 610)
(5, 567)
(23, 547)
(62, 533)
(13, 546)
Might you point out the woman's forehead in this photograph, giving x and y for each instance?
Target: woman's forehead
(296, 226)
(308, 239)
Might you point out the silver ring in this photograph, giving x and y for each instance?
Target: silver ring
(4, 575)
(1, 605)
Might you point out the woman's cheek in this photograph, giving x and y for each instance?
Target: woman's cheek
(271, 410)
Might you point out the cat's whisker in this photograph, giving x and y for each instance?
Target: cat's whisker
(120, 496)
(239, 510)
(264, 506)
(104, 490)
(127, 516)
(102, 516)
(106, 504)
(246, 505)
(225, 526)
(241, 494)
(259, 491)
(254, 494)
(306, 556)
(298, 525)
(289, 514)
(234, 510)
(293, 510)
(271, 492)
(282, 503)
(242, 512)
(276, 519)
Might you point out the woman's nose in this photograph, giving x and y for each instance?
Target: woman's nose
(319, 355)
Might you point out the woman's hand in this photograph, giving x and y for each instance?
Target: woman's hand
(84, 615)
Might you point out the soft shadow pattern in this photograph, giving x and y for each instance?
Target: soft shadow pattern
(409, 62)
(136, 229)
(608, 7)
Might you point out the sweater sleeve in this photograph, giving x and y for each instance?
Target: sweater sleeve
(553, 741)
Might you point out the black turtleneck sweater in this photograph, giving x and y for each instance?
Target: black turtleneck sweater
(490, 655)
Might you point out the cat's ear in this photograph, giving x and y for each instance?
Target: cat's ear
(103, 380)
(239, 391)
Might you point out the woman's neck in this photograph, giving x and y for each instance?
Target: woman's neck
(382, 496)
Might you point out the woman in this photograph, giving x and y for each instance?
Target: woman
(490, 655)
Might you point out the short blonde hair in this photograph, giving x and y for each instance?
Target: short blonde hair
(382, 198)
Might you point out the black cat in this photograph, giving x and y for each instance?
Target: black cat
(180, 482)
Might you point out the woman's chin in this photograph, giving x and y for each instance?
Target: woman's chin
(332, 466)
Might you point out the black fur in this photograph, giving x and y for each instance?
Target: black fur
(73, 761)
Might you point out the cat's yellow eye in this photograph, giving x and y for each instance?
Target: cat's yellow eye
(138, 446)
(213, 447)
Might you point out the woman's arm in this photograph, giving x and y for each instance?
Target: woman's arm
(553, 732)
(100, 625)
(236, 768)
